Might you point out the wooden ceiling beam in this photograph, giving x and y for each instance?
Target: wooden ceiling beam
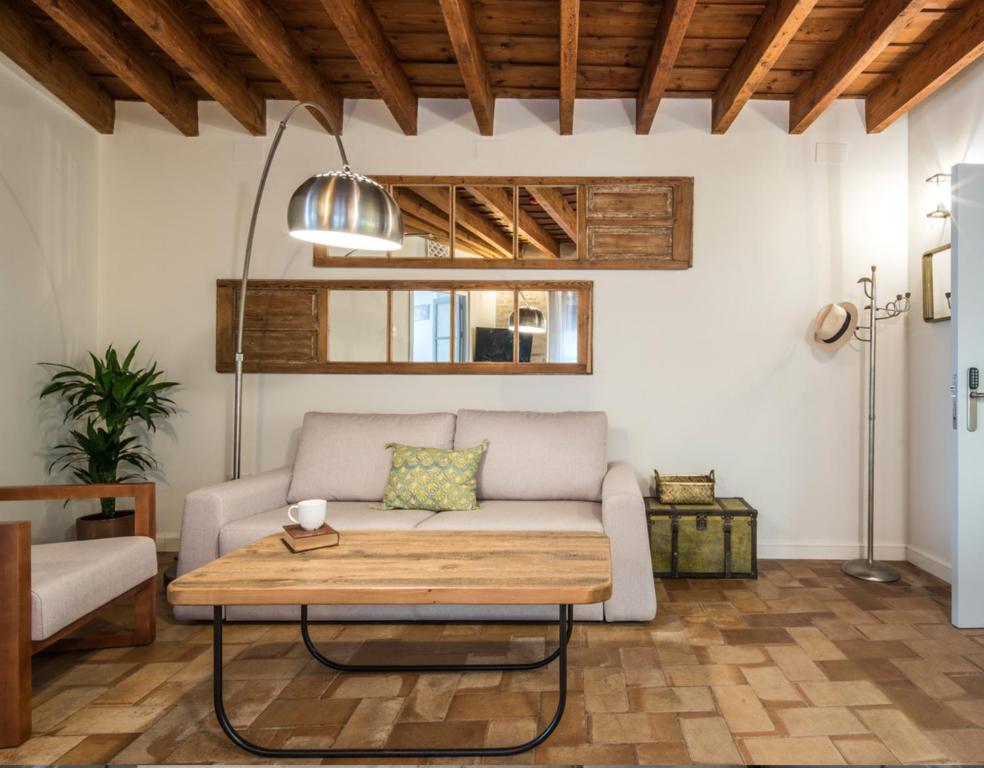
(359, 27)
(773, 31)
(556, 205)
(470, 218)
(95, 27)
(259, 26)
(860, 45)
(946, 54)
(34, 51)
(499, 200)
(459, 17)
(673, 22)
(427, 223)
(179, 35)
(570, 14)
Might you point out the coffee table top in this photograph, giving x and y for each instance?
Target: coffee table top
(409, 567)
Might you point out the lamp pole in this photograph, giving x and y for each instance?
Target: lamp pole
(237, 423)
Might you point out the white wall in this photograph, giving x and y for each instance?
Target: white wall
(48, 293)
(711, 367)
(945, 130)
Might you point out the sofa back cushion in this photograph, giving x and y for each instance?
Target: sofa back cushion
(537, 455)
(343, 456)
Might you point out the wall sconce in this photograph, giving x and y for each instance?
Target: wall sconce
(941, 195)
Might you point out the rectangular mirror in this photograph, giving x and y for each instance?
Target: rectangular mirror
(484, 218)
(548, 222)
(421, 327)
(426, 221)
(357, 326)
(936, 284)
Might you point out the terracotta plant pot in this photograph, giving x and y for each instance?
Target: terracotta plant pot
(98, 527)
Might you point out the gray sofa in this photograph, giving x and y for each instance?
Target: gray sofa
(542, 471)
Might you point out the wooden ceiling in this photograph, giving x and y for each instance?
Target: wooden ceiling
(173, 53)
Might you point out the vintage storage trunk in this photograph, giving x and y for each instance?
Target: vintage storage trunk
(703, 540)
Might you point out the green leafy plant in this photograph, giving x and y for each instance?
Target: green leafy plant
(103, 407)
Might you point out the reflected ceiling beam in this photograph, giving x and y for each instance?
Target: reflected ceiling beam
(96, 29)
(459, 17)
(555, 204)
(500, 201)
(33, 50)
(179, 35)
(261, 30)
(948, 52)
(858, 47)
(673, 22)
(570, 14)
(360, 28)
(426, 217)
(470, 218)
(773, 31)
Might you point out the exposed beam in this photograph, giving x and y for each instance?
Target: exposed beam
(858, 47)
(33, 50)
(460, 20)
(121, 53)
(179, 35)
(358, 25)
(673, 22)
(422, 212)
(262, 31)
(769, 37)
(470, 218)
(555, 204)
(501, 201)
(947, 53)
(570, 14)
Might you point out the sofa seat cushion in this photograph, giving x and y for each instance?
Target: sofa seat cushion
(343, 456)
(537, 455)
(342, 516)
(70, 579)
(498, 515)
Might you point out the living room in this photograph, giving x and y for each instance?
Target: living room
(736, 347)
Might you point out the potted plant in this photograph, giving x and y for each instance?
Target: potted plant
(103, 408)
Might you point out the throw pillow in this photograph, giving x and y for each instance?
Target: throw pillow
(432, 478)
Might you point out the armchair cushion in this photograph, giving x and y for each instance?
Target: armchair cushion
(343, 456)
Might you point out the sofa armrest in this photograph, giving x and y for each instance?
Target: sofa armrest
(623, 515)
(207, 510)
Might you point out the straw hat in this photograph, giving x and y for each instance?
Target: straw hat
(835, 325)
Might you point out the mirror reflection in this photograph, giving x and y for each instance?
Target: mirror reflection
(548, 222)
(936, 284)
(357, 326)
(422, 327)
(484, 222)
(426, 221)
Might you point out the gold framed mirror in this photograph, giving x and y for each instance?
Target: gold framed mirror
(936, 285)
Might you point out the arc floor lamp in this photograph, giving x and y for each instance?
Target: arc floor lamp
(340, 208)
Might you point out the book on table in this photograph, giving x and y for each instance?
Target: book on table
(300, 539)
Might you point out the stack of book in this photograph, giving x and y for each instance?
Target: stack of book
(301, 540)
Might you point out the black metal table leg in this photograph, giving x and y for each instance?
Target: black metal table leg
(565, 623)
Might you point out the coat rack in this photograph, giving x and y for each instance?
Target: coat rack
(867, 568)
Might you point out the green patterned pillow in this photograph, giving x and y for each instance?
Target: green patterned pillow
(432, 478)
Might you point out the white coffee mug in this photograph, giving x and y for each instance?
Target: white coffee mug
(311, 513)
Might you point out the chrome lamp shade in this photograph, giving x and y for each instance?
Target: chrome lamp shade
(531, 320)
(345, 210)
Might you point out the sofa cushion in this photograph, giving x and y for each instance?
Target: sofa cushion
(537, 455)
(432, 478)
(73, 578)
(342, 515)
(343, 456)
(499, 515)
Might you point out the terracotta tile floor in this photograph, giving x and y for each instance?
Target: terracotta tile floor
(802, 666)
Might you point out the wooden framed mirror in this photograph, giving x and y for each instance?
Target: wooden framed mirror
(499, 222)
(936, 284)
(408, 326)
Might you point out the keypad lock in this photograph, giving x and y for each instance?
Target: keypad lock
(973, 382)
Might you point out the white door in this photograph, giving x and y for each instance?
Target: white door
(967, 189)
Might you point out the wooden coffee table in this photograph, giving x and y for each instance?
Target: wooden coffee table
(408, 568)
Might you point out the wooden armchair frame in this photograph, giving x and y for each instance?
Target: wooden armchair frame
(16, 645)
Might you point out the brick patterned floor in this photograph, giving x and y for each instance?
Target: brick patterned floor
(802, 666)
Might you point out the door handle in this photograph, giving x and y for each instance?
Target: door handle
(973, 382)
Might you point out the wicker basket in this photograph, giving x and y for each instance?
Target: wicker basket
(685, 489)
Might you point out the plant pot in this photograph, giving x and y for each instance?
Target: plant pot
(98, 527)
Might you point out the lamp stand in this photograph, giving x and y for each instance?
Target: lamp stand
(237, 418)
(867, 568)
